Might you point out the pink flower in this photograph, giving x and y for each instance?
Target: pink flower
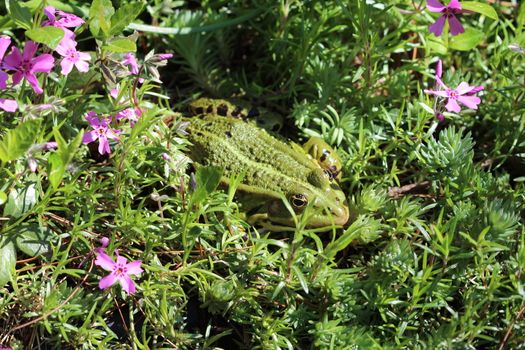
(66, 20)
(26, 65)
(129, 59)
(449, 13)
(72, 57)
(120, 271)
(463, 93)
(130, 114)
(101, 132)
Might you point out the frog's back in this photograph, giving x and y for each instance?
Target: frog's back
(239, 147)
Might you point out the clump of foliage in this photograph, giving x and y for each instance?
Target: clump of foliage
(91, 174)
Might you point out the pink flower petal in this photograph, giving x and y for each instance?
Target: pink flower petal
(463, 88)
(103, 260)
(127, 284)
(29, 50)
(439, 68)
(43, 63)
(455, 25)
(452, 106)
(8, 105)
(33, 81)
(3, 80)
(435, 6)
(103, 145)
(437, 27)
(121, 260)
(67, 66)
(437, 93)
(49, 11)
(5, 41)
(89, 137)
(134, 267)
(107, 281)
(82, 66)
(475, 89)
(17, 77)
(454, 4)
(14, 59)
(471, 102)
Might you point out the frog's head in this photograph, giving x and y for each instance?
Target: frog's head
(325, 200)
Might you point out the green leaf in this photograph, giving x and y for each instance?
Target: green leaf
(124, 16)
(17, 141)
(33, 239)
(3, 197)
(20, 14)
(20, 201)
(467, 40)
(100, 15)
(7, 261)
(121, 46)
(50, 36)
(481, 8)
(59, 160)
(208, 178)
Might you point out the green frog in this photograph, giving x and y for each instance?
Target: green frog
(273, 170)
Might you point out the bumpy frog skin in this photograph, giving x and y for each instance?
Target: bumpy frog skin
(271, 168)
(237, 109)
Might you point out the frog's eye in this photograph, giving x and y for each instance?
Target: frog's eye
(329, 174)
(299, 200)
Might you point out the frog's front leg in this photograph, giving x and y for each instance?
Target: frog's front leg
(325, 156)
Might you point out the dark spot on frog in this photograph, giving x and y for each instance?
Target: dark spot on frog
(236, 111)
(254, 112)
(323, 157)
(199, 110)
(228, 134)
(222, 110)
(209, 109)
(207, 125)
(276, 127)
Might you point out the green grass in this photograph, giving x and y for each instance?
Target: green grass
(432, 257)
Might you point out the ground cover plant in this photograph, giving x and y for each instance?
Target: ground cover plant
(109, 238)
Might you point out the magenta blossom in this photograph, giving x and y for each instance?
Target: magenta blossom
(72, 57)
(101, 132)
(61, 19)
(5, 41)
(26, 65)
(131, 114)
(120, 271)
(448, 13)
(129, 59)
(463, 93)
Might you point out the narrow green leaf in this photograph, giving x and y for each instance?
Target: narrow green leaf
(17, 141)
(467, 40)
(481, 8)
(124, 16)
(50, 36)
(20, 14)
(7, 261)
(100, 15)
(3, 197)
(121, 46)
